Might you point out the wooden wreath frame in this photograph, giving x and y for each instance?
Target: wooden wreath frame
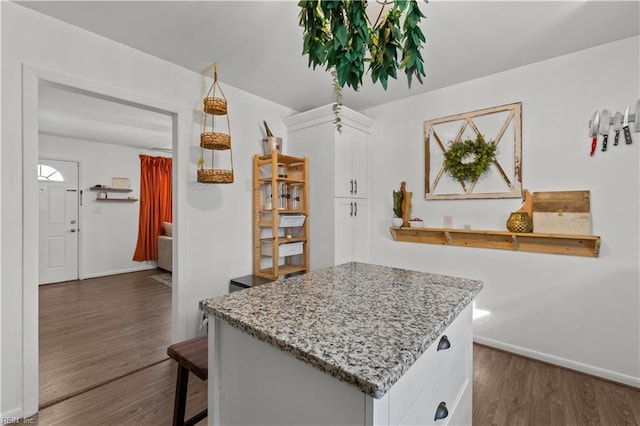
(512, 182)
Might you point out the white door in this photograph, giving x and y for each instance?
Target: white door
(58, 223)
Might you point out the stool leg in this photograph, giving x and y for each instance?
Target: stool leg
(180, 403)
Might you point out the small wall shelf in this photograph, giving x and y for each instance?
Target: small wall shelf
(119, 200)
(109, 189)
(575, 245)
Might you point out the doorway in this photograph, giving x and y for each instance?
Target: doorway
(58, 221)
(33, 78)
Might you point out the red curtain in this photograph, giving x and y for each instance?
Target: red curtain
(155, 204)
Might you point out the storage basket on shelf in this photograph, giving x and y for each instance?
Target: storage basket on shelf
(210, 139)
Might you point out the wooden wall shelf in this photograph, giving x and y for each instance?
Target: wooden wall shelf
(575, 245)
(109, 189)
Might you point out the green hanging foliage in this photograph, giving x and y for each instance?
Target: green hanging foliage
(338, 34)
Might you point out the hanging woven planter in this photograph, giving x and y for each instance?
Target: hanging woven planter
(215, 106)
(215, 176)
(213, 140)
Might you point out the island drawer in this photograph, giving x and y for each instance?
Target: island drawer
(445, 390)
(423, 374)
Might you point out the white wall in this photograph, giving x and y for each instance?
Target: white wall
(108, 231)
(580, 312)
(1, 298)
(212, 223)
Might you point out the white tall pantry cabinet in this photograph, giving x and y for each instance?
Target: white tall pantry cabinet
(338, 182)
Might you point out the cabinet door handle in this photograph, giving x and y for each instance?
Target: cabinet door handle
(356, 186)
(441, 411)
(356, 208)
(351, 206)
(351, 182)
(444, 343)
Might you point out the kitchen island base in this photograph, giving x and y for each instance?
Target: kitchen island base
(254, 383)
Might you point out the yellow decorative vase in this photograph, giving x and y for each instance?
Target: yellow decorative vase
(520, 222)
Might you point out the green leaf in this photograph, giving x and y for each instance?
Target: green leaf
(337, 35)
(340, 35)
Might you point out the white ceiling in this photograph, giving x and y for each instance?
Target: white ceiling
(258, 44)
(73, 114)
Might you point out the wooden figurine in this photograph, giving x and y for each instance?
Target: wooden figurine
(406, 204)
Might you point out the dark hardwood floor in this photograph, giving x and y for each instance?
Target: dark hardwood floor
(103, 353)
(511, 390)
(123, 323)
(95, 330)
(141, 398)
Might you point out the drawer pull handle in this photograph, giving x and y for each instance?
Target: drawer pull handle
(444, 343)
(441, 412)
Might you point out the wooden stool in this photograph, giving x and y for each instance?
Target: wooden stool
(192, 356)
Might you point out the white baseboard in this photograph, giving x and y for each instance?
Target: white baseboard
(119, 271)
(11, 416)
(562, 362)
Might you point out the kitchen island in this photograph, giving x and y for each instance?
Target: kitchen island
(352, 344)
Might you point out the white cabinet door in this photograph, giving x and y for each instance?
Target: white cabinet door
(351, 164)
(343, 162)
(359, 164)
(360, 235)
(343, 230)
(351, 230)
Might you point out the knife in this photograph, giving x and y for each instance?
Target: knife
(617, 126)
(605, 122)
(593, 131)
(625, 127)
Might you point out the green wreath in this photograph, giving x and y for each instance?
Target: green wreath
(467, 160)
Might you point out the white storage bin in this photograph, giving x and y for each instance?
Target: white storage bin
(287, 249)
(291, 220)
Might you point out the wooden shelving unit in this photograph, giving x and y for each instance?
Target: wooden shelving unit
(575, 245)
(280, 215)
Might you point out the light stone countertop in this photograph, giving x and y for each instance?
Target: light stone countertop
(363, 324)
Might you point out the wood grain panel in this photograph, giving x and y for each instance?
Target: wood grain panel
(512, 390)
(141, 398)
(562, 201)
(95, 330)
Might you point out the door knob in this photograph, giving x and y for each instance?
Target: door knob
(72, 230)
(73, 222)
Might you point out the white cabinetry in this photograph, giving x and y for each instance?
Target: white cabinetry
(305, 395)
(338, 182)
(351, 164)
(448, 373)
(351, 230)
